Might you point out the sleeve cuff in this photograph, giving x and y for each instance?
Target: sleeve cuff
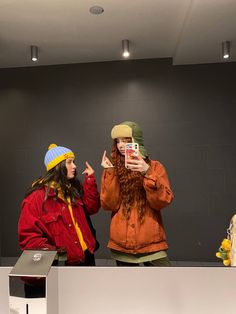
(90, 178)
(151, 181)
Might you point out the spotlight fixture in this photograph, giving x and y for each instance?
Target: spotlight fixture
(125, 48)
(226, 50)
(34, 53)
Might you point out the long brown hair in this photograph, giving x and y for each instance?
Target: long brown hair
(131, 185)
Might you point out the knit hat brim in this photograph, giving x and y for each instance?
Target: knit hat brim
(59, 159)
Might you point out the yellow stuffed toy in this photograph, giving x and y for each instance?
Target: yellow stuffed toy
(224, 252)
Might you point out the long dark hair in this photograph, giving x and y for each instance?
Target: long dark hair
(56, 178)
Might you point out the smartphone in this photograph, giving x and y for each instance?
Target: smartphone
(131, 152)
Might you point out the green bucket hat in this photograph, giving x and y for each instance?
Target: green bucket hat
(130, 129)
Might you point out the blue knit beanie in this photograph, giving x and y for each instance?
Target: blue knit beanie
(55, 155)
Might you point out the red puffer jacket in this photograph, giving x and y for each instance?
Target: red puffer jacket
(51, 227)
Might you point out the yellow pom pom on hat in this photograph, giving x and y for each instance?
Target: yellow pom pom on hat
(55, 155)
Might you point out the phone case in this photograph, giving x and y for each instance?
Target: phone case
(131, 151)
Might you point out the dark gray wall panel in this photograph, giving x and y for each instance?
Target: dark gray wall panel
(188, 118)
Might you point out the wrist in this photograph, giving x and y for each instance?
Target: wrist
(108, 167)
(145, 170)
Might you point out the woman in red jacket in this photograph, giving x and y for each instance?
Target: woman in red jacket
(135, 193)
(55, 211)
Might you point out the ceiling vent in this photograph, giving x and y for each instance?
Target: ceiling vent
(96, 10)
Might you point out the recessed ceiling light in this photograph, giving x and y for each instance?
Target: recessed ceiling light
(125, 48)
(34, 53)
(96, 9)
(226, 49)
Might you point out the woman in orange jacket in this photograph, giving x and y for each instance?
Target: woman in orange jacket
(135, 194)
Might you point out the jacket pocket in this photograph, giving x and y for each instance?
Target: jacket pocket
(118, 229)
(52, 222)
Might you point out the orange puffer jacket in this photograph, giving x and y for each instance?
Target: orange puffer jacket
(130, 236)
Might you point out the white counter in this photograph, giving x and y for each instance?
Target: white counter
(141, 290)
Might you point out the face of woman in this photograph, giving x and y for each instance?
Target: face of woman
(120, 143)
(71, 167)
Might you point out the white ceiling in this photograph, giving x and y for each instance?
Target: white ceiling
(189, 31)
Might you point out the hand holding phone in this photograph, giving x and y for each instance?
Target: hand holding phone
(131, 152)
